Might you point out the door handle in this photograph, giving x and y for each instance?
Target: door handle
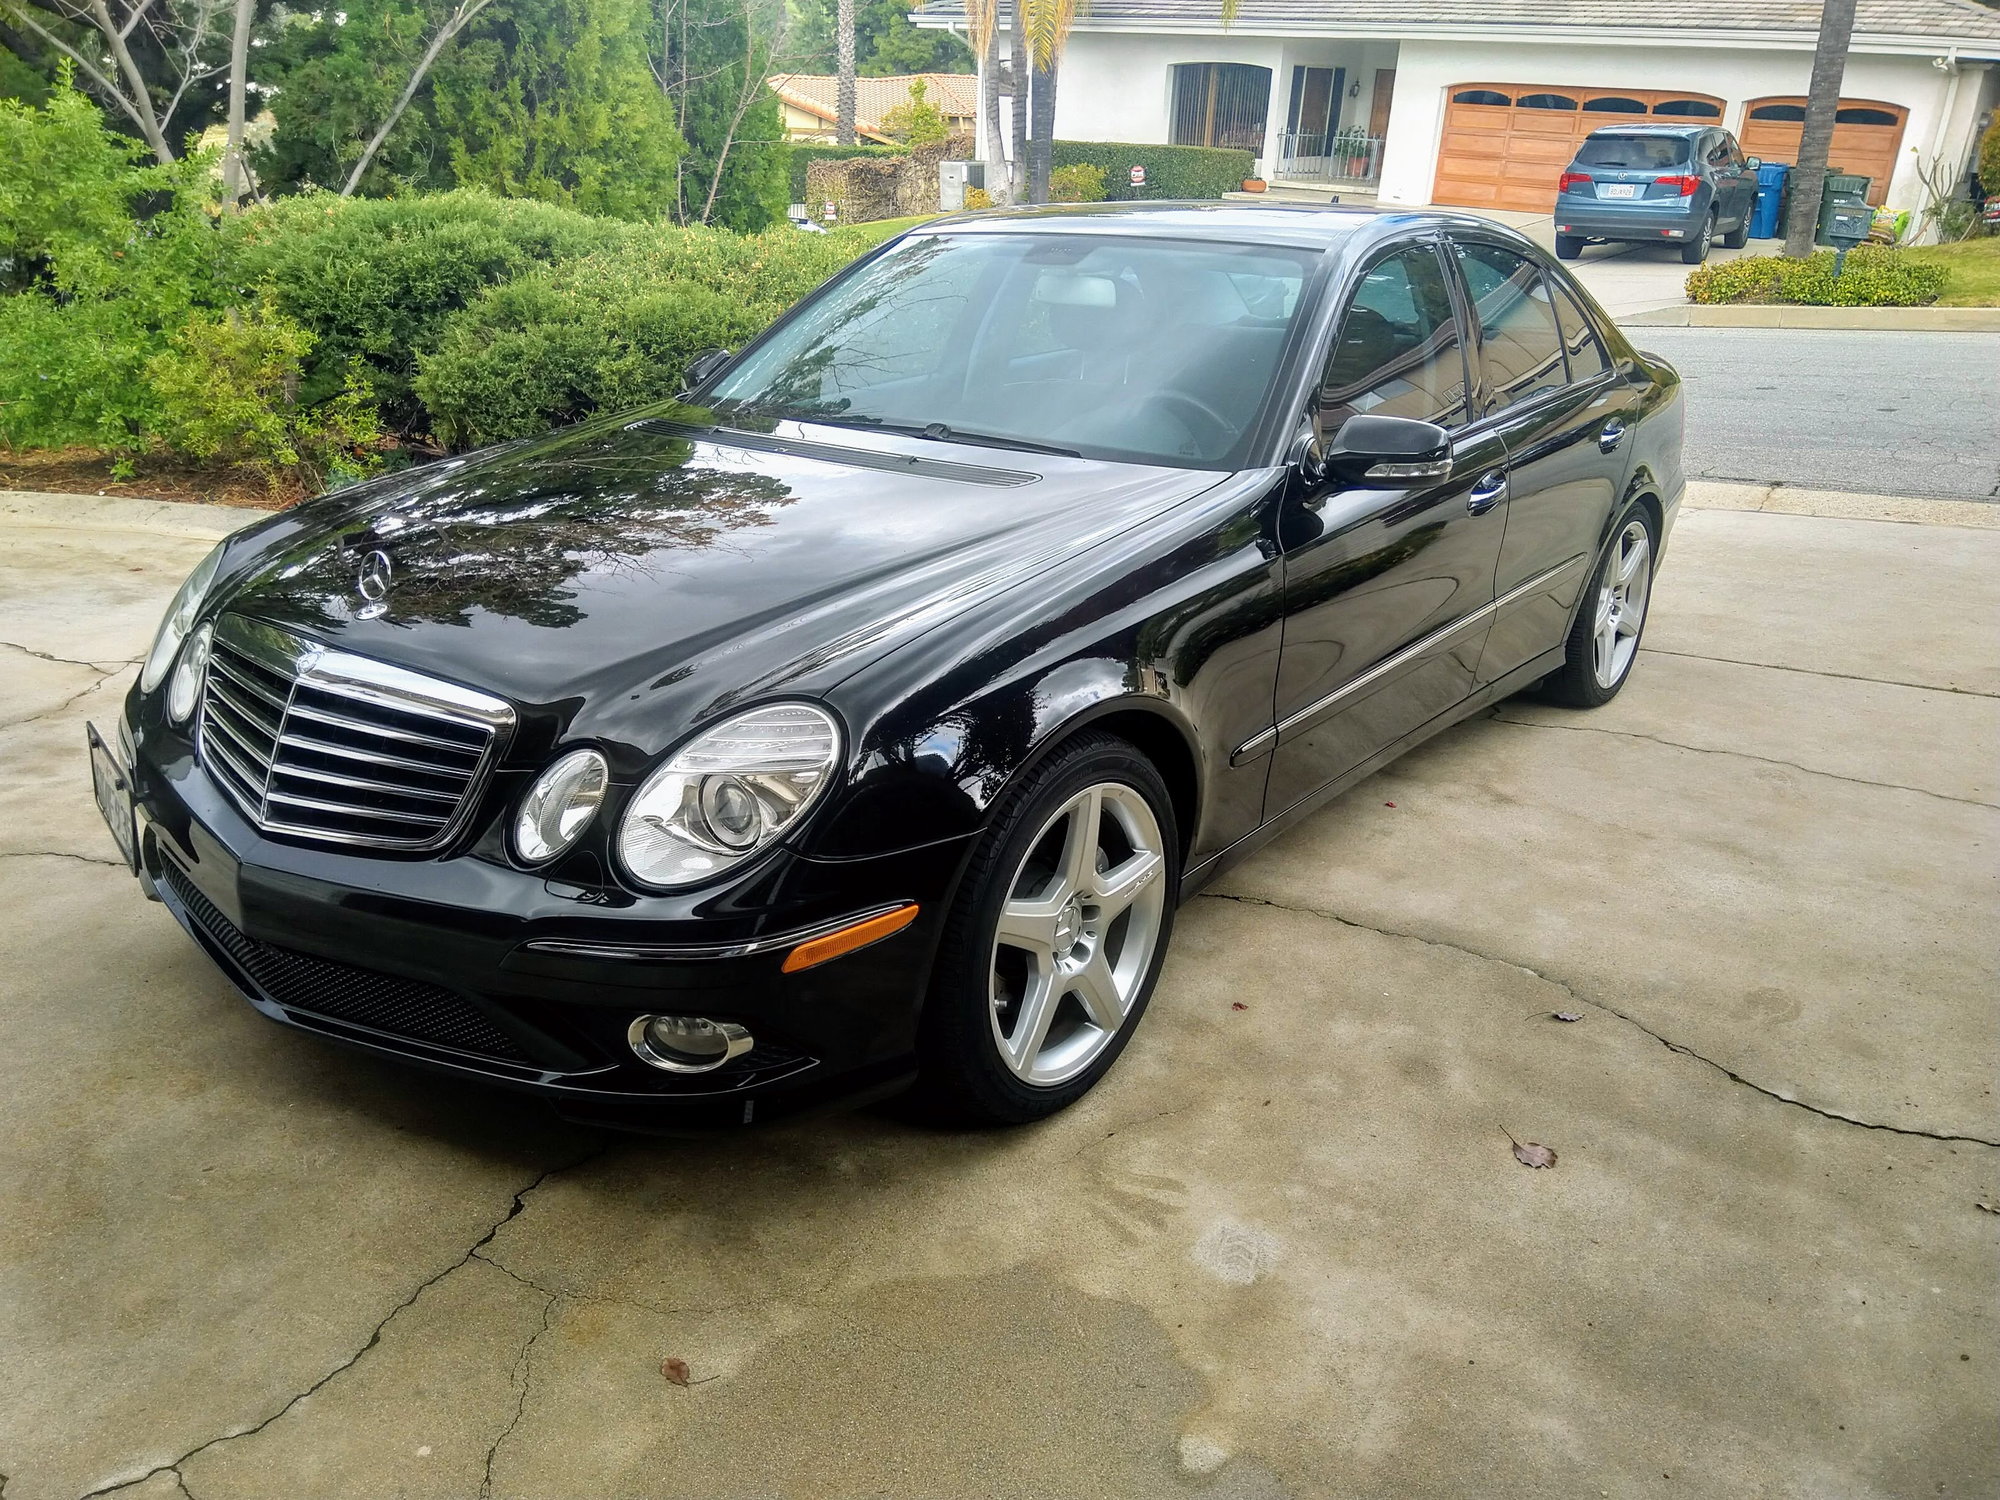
(1488, 492)
(1610, 435)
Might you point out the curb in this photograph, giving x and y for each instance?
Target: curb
(194, 519)
(1839, 505)
(1882, 319)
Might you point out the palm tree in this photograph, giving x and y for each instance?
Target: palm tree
(1047, 23)
(982, 27)
(1836, 26)
(843, 27)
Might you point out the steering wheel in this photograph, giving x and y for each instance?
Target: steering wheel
(1212, 432)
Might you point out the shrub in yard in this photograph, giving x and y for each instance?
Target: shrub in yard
(375, 279)
(228, 389)
(1874, 276)
(1079, 182)
(1171, 171)
(805, 153)
(617, 329)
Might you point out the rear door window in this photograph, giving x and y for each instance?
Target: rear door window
(1520, 346)
(1587, 358)
(1637, 153)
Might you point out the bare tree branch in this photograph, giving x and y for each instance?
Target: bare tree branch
(139, 111)
(456, 22)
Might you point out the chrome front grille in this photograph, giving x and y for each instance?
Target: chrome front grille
(320, 744)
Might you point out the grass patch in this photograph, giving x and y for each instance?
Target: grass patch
(1972, 271)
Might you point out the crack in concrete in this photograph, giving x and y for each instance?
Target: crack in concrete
(88, 859)
(118, 663)
(514, 1210)
(1128, 1125)
(523, 1372)
(1611, 1010)
(1772, 666)
(1769, 760)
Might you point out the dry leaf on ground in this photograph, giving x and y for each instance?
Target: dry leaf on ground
(1567, 1015)
(1530, 1154)
(676, 1370)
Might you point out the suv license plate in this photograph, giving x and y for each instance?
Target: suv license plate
(114, 796)
(1618, 190)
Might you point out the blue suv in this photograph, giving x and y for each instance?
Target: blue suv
(1681, 185)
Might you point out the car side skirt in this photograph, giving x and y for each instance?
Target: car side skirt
(1503, 687)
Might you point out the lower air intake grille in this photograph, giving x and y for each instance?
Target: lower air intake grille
(381, 1002)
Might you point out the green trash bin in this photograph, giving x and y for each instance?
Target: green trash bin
(1844, 215)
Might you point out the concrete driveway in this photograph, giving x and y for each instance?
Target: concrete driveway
(1627, 279)
(1284, 1251)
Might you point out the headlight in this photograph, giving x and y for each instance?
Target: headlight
(186, 684)
(180, 619)
(560, 805)
(727, 793)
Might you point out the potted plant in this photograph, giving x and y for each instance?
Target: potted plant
(1254, 184)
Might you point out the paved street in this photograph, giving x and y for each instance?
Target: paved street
(1283, 1251)
(1878, 413)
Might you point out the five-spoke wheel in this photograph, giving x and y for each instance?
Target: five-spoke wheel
(1604, 641)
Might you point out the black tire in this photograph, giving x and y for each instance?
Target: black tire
(1695, 251)
(1576, 683)
(1738, 237)
(962, 1077)
(1569, 246)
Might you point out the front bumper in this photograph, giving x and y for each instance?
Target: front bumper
(471, 967)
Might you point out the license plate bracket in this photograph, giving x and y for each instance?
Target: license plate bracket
(1618, 190)
(112, 785)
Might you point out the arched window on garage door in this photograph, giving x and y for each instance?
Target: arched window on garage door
(1481, 96)
(1790, 114)
(1545, 101)
(1867, 115)
(1615, 104)
(1694, 109)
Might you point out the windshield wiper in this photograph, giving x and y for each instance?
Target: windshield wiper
(937, 432)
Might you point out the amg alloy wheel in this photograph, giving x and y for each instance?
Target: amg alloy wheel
(1056, 937)
(1603, 642)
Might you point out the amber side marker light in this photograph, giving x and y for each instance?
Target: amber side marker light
(860, 935)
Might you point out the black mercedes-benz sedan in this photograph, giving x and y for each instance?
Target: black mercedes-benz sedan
(862, 717)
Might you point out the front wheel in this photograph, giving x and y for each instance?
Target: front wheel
(1604, 642)
(1056, 939)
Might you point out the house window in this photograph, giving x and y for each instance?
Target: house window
(1699, 109)
(1545, 101)
(1220, 104)
(1481, 96)
(1612, 104)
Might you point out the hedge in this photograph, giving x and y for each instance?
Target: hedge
(1171, 171)
(806, 153)
(1874, 276)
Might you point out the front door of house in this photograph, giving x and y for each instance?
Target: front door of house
(1378, 103)
(1315, 108)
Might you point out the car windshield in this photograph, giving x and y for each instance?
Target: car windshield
(1640, 152)
(1142, 350)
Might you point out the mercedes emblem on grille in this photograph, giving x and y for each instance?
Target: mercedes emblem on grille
(373, 581)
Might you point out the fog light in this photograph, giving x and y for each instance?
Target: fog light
(687, 1044)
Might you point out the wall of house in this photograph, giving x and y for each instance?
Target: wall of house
(1121, 88)
(1426, 70)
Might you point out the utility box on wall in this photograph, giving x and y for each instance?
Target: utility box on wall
(954, 177)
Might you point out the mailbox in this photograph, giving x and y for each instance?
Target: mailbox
(1844, 215)
(954, 177)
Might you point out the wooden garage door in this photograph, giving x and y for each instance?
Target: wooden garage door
(1867, 134)
(1505, 144)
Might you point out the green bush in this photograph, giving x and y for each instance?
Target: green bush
(1874, 276)
(373, 279)
(617, 329)
(805, 153)
(228, 391)
(1171, 171)
(1079, 182)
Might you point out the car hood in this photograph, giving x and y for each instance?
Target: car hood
(597, 572)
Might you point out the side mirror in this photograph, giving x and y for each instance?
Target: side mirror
(1751, 163)
(703, 365)
(1391, 449)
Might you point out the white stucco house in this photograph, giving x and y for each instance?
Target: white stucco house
(1479, 103)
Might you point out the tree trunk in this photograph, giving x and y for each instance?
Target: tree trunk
(1041, 132)
(234, 178)
(992, 146)
(844, 39)
(1018, 66)
(1836, 25)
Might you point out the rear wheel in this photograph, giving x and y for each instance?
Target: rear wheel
(1569, 246)
(1695, 251)
(1604, 641)
(1056, 940)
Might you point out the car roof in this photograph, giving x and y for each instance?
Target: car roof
(1652, 129)
(1319, 226)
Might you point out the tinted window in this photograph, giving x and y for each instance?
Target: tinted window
(1522, 352)
(1790, 113)
(1719, 153)
(1698, 108)
(1638, 152)
(1613, 104)
(1545, 101)
(1864, 117)
(1479, 96)
(1586, 355)
(1398, 352)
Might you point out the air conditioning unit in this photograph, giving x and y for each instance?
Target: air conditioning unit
(954, 177)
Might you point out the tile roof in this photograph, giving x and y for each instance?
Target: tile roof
(954, 94)
(1947, 20)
